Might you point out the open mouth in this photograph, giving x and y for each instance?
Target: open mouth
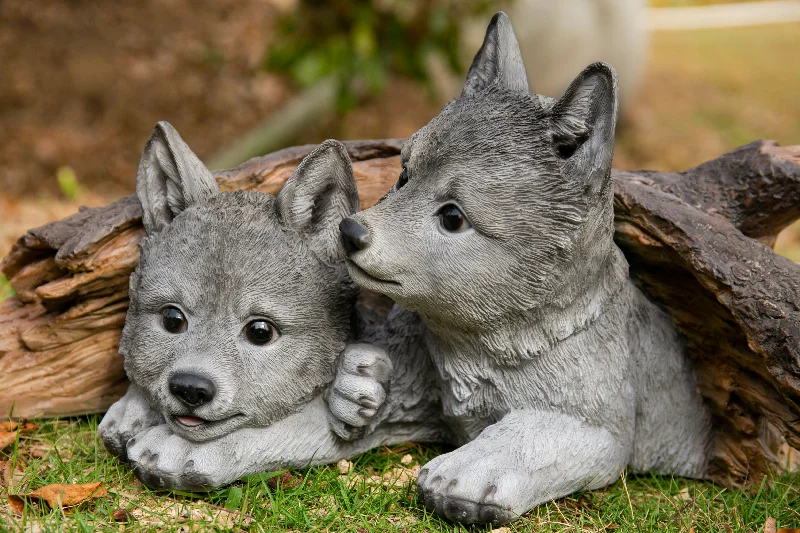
(360, 272)
(190, 421)
(193, 422)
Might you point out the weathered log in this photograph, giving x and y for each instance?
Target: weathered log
(690, 239)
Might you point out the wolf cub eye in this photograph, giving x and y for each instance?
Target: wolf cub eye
(452, 219)
(403, 179)
(173, 320)
(260, 332)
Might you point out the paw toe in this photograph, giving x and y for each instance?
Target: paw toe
(459, 510)
(495, 515)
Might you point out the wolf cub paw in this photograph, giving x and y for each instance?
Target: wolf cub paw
(472, 486)
(358, 390)
(163, 460)
(128, 417)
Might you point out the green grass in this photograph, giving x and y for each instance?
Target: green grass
(6, 291)
(320, 499)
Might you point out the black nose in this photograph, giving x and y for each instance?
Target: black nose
(191, 389)
(356, 236)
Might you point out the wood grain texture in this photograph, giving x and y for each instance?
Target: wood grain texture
(695, 241)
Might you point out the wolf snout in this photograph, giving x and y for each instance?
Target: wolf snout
(191, 389)
(355, 235)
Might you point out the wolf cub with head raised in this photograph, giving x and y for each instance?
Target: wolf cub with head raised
(239, 310)
(555, 370)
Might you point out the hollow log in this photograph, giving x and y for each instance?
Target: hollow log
(697, 241)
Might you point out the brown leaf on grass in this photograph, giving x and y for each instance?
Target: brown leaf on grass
(789, 530)
(122, 515)
(11, 478)
(16, 504)
(9, 431)
(27, 427)
(39, 450)
(58, 495)
(7, 438)
(286, 480)
(770, 526)
(23, 427)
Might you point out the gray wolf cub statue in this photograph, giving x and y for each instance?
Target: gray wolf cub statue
(556, 373)
(240, 337)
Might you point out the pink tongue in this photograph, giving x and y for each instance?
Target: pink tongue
(190, 420)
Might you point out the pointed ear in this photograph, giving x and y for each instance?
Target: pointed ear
(498, 62)
(170, 178)
(320, 193)
(584, 119)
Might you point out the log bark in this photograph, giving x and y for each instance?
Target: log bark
(695, 241)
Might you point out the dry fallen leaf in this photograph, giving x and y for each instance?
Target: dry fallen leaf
(23, 427)
(789, 530)
(12, 478)
(58, 495)
(770, 526)
(406, 459)
(39, 449)
(122, 515)
(7, 438)
(285, 480)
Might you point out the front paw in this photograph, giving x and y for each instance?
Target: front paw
(472, 486)
(163, 460)
(358, 390)
(129, 416)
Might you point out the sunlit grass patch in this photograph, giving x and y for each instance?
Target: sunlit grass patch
(363, 496)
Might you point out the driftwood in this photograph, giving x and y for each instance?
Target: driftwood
(698, 244)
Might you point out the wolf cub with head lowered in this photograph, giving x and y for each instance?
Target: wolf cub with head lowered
(556, 372)
(240, 339)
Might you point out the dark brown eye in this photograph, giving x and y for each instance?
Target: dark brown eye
(452, 219)
(403, 179)
(260, 332)
(173, 320)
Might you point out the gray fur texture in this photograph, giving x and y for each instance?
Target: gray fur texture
(556, 373)
(208, 404)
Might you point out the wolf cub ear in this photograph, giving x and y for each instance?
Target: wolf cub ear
(498, 62)
(170, 178)
(319, 194)
(583, 120)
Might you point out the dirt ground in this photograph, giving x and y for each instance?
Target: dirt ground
(85, 82)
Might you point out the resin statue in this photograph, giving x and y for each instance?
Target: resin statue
(239, 310)
(556, 373)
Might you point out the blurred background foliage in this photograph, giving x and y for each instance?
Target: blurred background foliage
(364, 42)
(85, 81)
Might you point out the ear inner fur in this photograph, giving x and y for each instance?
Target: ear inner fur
(319, 194)
(170, 178)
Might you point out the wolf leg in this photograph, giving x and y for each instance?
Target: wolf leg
(129, 416)
(528, 458)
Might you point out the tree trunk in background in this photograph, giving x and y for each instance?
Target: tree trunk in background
(695, 241)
